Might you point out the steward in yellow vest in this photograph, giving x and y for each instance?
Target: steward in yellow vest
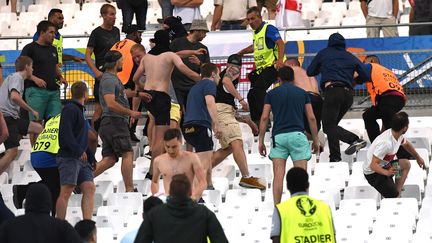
(268, 50)
(301, 219)
(387, 96)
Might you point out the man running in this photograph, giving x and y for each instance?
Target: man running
(176, 161)
(158, 71)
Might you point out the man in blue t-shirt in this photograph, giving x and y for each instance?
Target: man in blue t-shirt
(289, 105)
(201, 116)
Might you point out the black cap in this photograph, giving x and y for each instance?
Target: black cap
(112, 56)
(132, 28)
(235, 59)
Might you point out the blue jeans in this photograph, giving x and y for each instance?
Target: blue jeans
(140, 13)
(232, 25)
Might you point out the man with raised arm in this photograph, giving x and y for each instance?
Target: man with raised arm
(158, 71)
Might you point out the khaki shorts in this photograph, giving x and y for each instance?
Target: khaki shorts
(228, 124)
(175, 113)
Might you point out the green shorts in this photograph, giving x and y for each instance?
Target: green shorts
(45, 102)
(294, 144)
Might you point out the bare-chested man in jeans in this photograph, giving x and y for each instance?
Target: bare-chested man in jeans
(158, 71)
(176, 161)
(310, 85)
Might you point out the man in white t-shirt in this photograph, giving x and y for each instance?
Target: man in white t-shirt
(380, 168)
(288, 14)
(379, 12)
(188, 10)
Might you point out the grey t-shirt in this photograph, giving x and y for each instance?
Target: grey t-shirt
(111, 84)
(13, 82)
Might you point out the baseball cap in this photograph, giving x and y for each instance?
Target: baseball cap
(133, 28)
(235, 59)
(112, 56)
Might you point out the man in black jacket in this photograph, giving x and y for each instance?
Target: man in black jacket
(180, 219)
(337, 67)
(74, 158)
(37, 226)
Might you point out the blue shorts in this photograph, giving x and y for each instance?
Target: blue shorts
(294, 144)
(74, 171)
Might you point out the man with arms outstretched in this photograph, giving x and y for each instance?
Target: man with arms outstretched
(175, 161)
(158, 71)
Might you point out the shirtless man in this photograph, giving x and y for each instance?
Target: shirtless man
(158, 71)
(175, 161)
(310, 85)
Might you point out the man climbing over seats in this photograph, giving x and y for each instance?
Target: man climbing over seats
(11, 101)
(176, 161)
(289, 104)
(158, 70)
(231, 135)
(386, 94)
(381, 164)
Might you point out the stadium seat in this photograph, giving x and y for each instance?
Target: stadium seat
(9, 203)
(421, 237)
(393, 237)
(341, 169)
(420, 142)
(327, 194)
(368, 207)
(4, 178)
(127, 199)
(141, 185)
(120, 213)
(6, 189)
(362, 192)
(105, 234)
(213, 197)
(104, 188)
(26, 177)
(221, 184)
(237, 196)
(400, 204)
(75, 201)
(73, 215)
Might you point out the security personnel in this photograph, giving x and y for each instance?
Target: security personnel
(269, 52)
(301, 218)
(43, 160)
(387, 96)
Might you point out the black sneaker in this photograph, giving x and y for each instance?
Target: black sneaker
(355, 146)
(19, 193)
(149, 176)
(210, 187)
(134, 137)
(148, 155)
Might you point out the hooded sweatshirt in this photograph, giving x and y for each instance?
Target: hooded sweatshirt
(335, 64)
(37, 226)
(180, 220)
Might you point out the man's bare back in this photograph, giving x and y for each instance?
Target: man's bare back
(158, 70)
(301, 80)
(185, 162)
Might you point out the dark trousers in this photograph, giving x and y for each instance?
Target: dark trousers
(337, 102)
(232, 25)
(167, 8)
(420, 30)
(258, 90)
(317, 103)
(386, 107)
(140, 12)
(50, 177)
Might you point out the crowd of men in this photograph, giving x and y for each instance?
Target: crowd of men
(187, 96)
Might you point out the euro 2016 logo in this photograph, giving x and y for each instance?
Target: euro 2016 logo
(306, 206)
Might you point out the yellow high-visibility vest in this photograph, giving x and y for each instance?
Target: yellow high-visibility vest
(304, 219)
(48, 141)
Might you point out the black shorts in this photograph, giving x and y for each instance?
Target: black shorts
(96, 90)
(383, 184)
(316, 102)
(159, 107)
(115, 135)
(17, 128)
(199, 137)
